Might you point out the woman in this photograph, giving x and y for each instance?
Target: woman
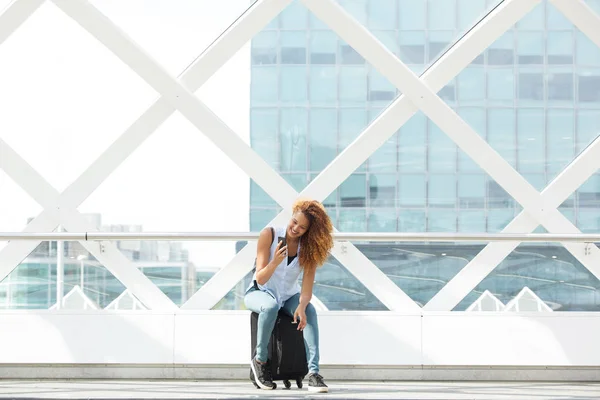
(308, 240)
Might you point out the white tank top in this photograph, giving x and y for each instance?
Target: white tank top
(283, 284)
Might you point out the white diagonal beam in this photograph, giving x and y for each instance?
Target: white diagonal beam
(179, 96)
(14, 16)
(382, 59)
(479, 38)
(37, 187)
(457, 129)
(193, 109)
(215, 56)
(221, 50)
(569, 180)
(460, 132)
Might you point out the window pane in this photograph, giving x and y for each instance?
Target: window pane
(323, 137)
(323, 85)
(500, 84)
(264, 85)
(531, 87)
(561, 136)
(264, 131)
(471, 84)
(323, 47)
(352, 220)
(530, 48)
(412, 190)
(259, 198)
(501, 52)
(498, 219)
(560, 48)
(588, 195)
(475, 117)
(412, 47)
(353, 85)
(259, 218)
(382, 190)
(264, 48)
(442, 150)
(560, 86)
(531, 151)
(293, 84)
(471, 191)
(441, 15)
(589, 221)
(412, 221)
(380, 89)
(356, 8)
(501, 133)
(469, 12)
(383, 220)
(441, 220)
(588, 128)
(589, 86)
(471, 221)
(411, 144)
(587, 51)
(293, 48)
(411, 14)
(293, 139)
(353, 192)
(382, 14)
(442, 190)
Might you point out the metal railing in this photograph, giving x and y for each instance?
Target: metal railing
(339, 236)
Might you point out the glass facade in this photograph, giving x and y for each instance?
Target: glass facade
(533, 95)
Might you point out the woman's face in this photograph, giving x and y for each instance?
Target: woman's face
(298, 225)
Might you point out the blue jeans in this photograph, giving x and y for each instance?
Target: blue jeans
(267, 308)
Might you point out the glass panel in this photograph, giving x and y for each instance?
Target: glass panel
(587, 53)
(295, 16)
(382, 190)
(340, 290)
(560, 140)
(323, 47)
(264, 86)
(88, 285)
(420, 269)
(539, 277)
(294, 85)
(264, 48)
(293, 47)
(293, 124)
(531, 141)
(383, 220)
(412, 14)
(382, 14)
(264, 127)
(322, 137)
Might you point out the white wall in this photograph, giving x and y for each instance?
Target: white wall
(347, 338)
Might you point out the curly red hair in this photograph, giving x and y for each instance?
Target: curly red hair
(317, 241)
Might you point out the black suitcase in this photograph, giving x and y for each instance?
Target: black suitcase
(286, 350)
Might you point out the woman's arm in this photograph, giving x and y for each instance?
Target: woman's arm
(264, 268)
(308, 280)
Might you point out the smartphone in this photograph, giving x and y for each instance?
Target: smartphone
(283, 242)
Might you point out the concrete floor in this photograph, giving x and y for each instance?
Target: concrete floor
(339, 390)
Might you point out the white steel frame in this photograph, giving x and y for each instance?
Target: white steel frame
(419, 93)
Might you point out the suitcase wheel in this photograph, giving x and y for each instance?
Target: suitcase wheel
(287, 384)
(299, 383)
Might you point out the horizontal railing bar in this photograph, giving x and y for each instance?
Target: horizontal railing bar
(340, 236)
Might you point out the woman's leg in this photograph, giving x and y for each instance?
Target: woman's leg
(266, 307)
(311, 332)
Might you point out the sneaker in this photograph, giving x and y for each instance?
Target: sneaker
(262, 374)
(316, 384)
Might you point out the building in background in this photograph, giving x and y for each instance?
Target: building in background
(33, 283)
(534, 95)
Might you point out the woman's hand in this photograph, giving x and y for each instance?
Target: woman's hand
(280, 254)
(300, 314)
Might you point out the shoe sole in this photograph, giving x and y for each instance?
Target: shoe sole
(318, 389)
(258, 382)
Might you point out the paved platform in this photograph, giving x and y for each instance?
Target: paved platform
(25, 389)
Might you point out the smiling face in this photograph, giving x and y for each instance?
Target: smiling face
(298, 225)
